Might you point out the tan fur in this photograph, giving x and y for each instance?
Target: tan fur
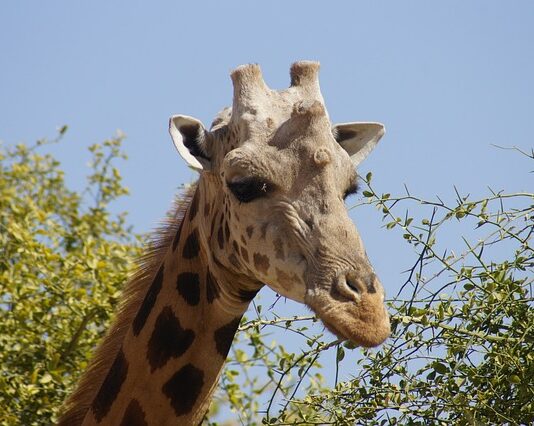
(76, 406)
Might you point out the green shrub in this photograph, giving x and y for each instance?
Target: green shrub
(63, 259)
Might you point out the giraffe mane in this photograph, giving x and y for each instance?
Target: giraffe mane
(76, 406)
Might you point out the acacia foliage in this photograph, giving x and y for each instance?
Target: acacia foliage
(63, 259)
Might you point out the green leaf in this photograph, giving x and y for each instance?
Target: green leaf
(340, 353)
(46, 378)
(440, 368)
(514, 379)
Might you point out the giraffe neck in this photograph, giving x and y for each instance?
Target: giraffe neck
(169, 362)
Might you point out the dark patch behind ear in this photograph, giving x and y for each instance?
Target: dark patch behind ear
(193, 140)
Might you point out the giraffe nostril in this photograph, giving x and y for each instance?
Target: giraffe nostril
(351, 283)
(349, 286)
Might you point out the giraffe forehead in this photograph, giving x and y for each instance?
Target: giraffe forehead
(309, 163)
(266, 112)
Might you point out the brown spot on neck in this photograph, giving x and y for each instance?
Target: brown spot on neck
(176, 239)
(168, 340)
(279, 249)
(134, 415)
(235, 246)
(188, 285)
(184, 388)
(244, 254)
(212, 287)
(225, 335)
(191, 246)
(220, 238)
(213, 221)
(247, 295)
(233, 260)
(193, 208)
(264, 230)
(226, 231)
(148, 302)
(261, 262)
(110, 387)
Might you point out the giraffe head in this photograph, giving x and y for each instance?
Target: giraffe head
(274, 174)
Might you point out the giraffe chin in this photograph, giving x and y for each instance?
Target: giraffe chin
(366, 326)
(361, 335)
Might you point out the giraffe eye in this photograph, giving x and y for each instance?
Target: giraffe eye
(248, 189)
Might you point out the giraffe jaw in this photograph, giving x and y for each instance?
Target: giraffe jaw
(362, 334)
(365, 323)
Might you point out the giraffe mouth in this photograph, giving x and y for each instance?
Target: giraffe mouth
(334, 330)
(365, 323)
(359, 332)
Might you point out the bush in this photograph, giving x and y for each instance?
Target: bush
(62, 262)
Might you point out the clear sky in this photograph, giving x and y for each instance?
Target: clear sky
(448, 80)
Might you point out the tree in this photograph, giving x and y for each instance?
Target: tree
(463, 322)
(63, 259)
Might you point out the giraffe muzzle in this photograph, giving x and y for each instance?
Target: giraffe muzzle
(352, 307)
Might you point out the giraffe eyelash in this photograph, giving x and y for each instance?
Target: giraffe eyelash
(351, 190)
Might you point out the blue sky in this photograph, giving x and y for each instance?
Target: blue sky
(447, 79)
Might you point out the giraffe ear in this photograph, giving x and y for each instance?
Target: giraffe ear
(190, 139)
(358, 139)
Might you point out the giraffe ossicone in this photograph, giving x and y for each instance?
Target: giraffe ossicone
(268, 208)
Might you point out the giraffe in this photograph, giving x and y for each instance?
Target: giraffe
(268, 208)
